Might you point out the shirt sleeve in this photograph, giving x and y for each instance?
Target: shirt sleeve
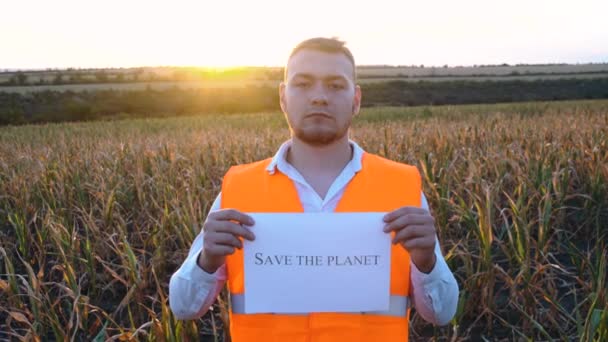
(192, 290)
(435, 294)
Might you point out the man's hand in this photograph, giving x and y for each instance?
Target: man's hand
(223, 232)
(415, 230)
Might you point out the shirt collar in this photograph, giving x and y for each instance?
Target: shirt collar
(279, 160)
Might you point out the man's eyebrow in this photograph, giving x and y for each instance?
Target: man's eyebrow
(335, 77)
(327, 78)
(303, 75)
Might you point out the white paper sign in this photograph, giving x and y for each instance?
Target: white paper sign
(317, 262)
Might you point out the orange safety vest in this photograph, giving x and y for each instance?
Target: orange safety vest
(380, 186)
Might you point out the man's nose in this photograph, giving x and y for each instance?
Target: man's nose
(318, 95)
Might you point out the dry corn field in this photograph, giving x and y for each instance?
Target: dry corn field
(95, 217)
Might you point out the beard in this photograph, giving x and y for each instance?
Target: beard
(317, 134)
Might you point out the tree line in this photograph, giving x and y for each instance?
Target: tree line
(58, 106)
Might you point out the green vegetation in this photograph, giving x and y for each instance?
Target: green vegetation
(96, 216)
(57, 106)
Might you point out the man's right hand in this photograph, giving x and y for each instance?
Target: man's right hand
(223, 231)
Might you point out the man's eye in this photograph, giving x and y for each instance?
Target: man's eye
(301, 84)
(336, 86)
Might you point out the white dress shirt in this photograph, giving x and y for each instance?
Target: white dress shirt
(192, 290)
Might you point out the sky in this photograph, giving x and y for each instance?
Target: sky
(222, 33)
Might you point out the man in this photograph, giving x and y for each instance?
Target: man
(319, 170)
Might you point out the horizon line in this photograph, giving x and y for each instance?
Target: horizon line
(421, 65)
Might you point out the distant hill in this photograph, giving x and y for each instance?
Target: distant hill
(272, 75)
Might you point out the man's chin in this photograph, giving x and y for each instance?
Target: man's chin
(318, 138)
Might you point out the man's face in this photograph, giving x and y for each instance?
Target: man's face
(319, 96)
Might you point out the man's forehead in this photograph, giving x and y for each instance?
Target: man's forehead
(319, 64)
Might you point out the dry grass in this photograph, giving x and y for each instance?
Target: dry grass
(95, 217)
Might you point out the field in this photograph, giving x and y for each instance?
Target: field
(96, 216)
(160, 78)
(494, 70)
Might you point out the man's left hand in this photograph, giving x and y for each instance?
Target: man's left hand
(415, 230)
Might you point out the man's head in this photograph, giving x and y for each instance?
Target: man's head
(319, 95)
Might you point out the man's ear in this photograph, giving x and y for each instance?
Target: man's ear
(282, 102)
(357, 100)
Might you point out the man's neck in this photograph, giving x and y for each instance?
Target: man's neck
(320, 159)
(320, 165)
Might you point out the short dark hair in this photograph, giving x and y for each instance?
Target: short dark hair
(330, 45)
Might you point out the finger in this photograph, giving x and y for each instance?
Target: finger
(409, 219)
(232, 214)
(420, 242)
(234, 229)
(411, 232)
(220, 250)
(227, 239)
(403, 211)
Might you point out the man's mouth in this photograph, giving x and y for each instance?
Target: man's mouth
(319, 114)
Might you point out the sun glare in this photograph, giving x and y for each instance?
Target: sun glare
(64, 33)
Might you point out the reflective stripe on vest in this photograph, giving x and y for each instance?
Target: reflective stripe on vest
(398, 306)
